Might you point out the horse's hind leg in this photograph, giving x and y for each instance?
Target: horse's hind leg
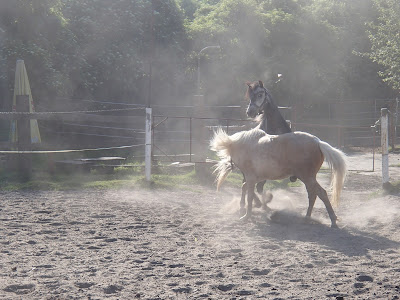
(314, 189)
(260, 186)
(312, 196)
(324, 197)
(250, 195)
(257, 201)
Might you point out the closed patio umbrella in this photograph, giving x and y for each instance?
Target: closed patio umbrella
(22, 87)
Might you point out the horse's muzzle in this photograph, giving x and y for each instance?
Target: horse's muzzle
(252, 111)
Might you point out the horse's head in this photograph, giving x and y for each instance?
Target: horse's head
(258, 96)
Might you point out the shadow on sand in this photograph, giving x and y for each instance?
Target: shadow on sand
(288, 225)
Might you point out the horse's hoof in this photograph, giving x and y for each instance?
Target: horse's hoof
(245, 218)
(266, 208)
(308, 220)
(267, 197)
(242, 212)
(334, 225)
(257, 204)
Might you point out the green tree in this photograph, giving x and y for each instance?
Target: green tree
(312, 43)
(237, 27)
(93, 48)
(116, 44)
(384, 35)
(35, 31)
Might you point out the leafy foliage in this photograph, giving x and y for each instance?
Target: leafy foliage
(103, 49)
(312, 43)
(385, 41)
(35, 31)
(92, 48)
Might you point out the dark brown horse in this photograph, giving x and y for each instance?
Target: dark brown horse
(262, 107)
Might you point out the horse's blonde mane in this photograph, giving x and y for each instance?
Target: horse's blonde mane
(222, 143)
(248, 136)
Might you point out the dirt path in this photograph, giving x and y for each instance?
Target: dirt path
(129, 244)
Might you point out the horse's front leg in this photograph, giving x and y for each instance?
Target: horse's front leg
(250, 196)
(242, 210)
(257, 201)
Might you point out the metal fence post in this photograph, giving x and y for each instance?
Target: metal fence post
(385, 146)
(148, 145)
(190, 139)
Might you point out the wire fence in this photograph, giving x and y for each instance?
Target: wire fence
(185, 137)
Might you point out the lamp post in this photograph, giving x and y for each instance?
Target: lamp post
(198, 64)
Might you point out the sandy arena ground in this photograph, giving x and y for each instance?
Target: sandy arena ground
(140, 244)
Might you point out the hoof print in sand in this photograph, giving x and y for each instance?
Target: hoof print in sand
(364, 278)
(113, 289)
(244, 293)
(182, 290)
(260, 272)
(84, 285)
(173, 266)
(20, 289)
(225, 287)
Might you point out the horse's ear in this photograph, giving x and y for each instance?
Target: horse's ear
(247, 95)
(260, 83)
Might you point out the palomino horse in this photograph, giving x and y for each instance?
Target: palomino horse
(270, 157)
(262, 107)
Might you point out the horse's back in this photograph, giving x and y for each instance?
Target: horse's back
(293, 139)
(276, 156)
(297, 153)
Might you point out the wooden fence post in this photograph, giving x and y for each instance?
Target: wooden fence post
(385, 146)
(148, 145)
(24, 138)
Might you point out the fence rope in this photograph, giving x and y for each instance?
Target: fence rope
(66, 151)
(68, 112)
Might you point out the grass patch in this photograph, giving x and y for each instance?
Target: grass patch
(376, 194)
(392, 188)
(394, 165)
(97, 179)
(394, 150)
(387, 189)
(163, 177)
(171, 181)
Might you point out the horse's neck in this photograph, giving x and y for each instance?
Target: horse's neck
(272, 121)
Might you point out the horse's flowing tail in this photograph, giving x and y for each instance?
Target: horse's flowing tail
(336, 160)
(221, 143)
